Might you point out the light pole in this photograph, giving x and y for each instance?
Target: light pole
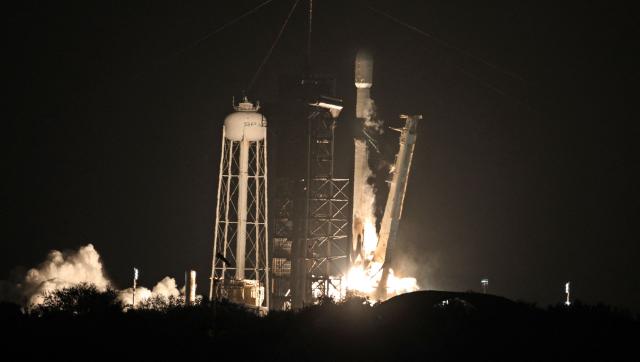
(135, 280)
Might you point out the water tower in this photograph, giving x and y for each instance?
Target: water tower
(240, 267)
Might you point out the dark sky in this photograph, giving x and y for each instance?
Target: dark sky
(112, 133)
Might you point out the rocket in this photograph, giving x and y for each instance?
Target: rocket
(363, 79)
(363, 82)
(360, 209)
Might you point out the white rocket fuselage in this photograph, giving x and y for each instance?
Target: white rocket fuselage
(360, 172)
(363, 82)
(363, 79)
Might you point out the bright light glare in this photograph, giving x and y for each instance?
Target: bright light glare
(363, 278)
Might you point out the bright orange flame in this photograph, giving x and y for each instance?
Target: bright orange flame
(370, 239)
(364, 278)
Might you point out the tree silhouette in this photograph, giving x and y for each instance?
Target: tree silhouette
(80, 299)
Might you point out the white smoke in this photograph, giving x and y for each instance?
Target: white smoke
(165, 289)
(125, 296)
(371, 122)
(66, 269)
(374, 125)
(61, 270)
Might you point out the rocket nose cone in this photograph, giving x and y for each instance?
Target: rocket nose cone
(364, 56)
(364, 69)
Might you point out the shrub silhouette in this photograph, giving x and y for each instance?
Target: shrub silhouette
(83, 323)
(80, 299)
(161, 303)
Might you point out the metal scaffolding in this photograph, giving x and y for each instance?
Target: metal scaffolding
(283, 236)
(320, 256)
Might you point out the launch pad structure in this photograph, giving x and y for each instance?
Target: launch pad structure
(312, 205)
(321, 253)
(314, 245)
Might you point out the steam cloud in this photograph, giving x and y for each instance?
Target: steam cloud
(62, 270)
(66, 269)
(374, 125)
(165, 288)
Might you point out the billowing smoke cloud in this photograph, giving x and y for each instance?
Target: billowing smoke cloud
(65, 269)
(374, 125)
(165, 289)
(371, 121)
(61, 270)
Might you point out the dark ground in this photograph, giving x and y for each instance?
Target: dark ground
(415, 326)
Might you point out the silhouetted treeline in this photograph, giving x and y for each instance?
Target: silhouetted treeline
(82, 323)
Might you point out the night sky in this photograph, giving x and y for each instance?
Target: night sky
(524, 169)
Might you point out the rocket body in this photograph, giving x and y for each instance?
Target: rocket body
(363, 82)
(360, 208)
(363, 79)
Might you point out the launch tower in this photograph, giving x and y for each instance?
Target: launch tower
(321, 251)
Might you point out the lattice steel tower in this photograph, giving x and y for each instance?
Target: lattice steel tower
(321, 250)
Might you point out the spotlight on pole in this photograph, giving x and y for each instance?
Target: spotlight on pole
(567, 292)
(135, 280)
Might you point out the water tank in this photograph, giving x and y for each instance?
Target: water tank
(245, 122)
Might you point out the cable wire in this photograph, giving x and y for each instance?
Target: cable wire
(273, 46)
(208, 35)
(446, 44)
(221, 28)
(309, 36)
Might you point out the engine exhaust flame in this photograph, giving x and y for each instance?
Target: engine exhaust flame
(363, 278)
(365, 274)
